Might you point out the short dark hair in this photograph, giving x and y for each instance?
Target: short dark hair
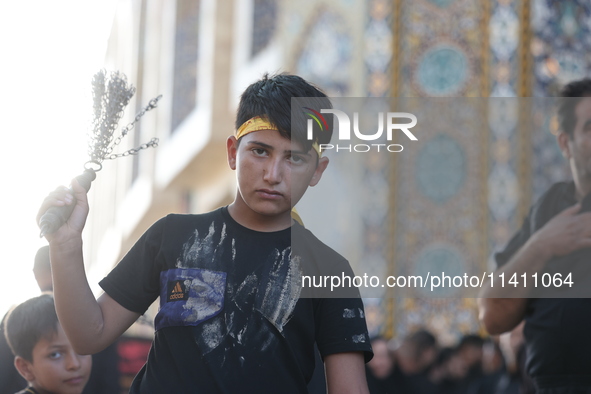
(29, 322)
(422, 340)
(270, 97)
(570, 95)
(471, 340)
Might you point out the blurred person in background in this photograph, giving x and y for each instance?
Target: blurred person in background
(447, 372)
(470, 350)
(382, 376)
(555, 234)
(416, 352)
(413, 358)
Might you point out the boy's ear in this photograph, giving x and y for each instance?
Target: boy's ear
(231, 150)
(563, 140)
(24, 368)
(322, 164)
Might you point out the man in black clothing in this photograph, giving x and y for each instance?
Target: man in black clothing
(403, 370)
(557, 227)
(380, 371)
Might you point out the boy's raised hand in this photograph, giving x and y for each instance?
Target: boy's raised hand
(75, 198)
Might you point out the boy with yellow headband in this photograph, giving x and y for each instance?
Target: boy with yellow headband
(231, 315)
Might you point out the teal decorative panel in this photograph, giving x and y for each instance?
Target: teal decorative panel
(440, 169)
(442, 70)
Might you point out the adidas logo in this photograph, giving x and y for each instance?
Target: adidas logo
(176, 291)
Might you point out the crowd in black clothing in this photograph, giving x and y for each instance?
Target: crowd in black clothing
(419, 365)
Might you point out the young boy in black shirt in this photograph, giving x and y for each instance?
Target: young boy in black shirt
(231, 315)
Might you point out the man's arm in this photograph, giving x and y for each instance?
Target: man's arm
(499, 315)
(502, 309)
(90, 325)
(345, 373)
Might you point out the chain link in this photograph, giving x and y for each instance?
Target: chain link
(151, 144)
(134, 151)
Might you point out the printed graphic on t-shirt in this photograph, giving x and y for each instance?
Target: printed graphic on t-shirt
(257, 311)
(267, 293)
(207, 250)
(280, 289)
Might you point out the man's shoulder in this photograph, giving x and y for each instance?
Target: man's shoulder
(552, 202)
(304, 241)
(563, 189)
(557, 198)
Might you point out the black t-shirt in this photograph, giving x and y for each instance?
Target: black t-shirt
(231, 319)
(556, 329)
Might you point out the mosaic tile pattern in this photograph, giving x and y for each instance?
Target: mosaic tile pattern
(327, 54)
(561, 46)
(437, 221)
(264, 24)
(378, 38)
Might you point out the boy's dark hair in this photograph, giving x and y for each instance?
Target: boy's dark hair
(270, 97)
(443, 356)
(28, 322)
(422, 340)
(471, 340)
(570, 96)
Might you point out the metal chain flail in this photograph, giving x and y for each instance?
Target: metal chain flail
(152, 144)
(134, 151)
(111, 94)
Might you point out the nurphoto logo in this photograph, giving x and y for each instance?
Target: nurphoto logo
(392, 125)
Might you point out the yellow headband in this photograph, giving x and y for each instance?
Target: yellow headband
(258, 123)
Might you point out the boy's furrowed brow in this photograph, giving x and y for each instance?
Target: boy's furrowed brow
(270, 147)
(297, 152)
(262, 144)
